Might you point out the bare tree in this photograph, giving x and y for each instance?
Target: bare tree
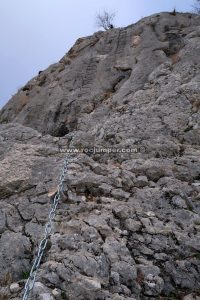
(197, 7)
(105, 20)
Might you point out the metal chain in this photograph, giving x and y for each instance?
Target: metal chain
(48, 228)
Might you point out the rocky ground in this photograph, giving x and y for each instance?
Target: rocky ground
(128, 225)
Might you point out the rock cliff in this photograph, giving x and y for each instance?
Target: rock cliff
(129, 225)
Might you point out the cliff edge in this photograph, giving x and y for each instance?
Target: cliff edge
(128, 226)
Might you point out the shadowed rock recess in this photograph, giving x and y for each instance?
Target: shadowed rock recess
(130, 227)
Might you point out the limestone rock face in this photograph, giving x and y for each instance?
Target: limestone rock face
(128, 224)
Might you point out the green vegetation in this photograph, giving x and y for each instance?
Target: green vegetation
(25, 275)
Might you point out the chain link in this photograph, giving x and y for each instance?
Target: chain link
(48, 228)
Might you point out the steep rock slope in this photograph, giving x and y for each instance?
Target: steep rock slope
(130, 226)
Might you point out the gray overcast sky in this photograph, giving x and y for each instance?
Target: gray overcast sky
(37, 33)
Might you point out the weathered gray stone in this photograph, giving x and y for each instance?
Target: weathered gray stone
(126, 272)
(15, 249)
(141, 181)
(153, 285)
(120, 194)
(45, 296)
(127, 224)
(190, 297)
(133, 225)
(56, 293)
(14, 288)
(2, 221)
